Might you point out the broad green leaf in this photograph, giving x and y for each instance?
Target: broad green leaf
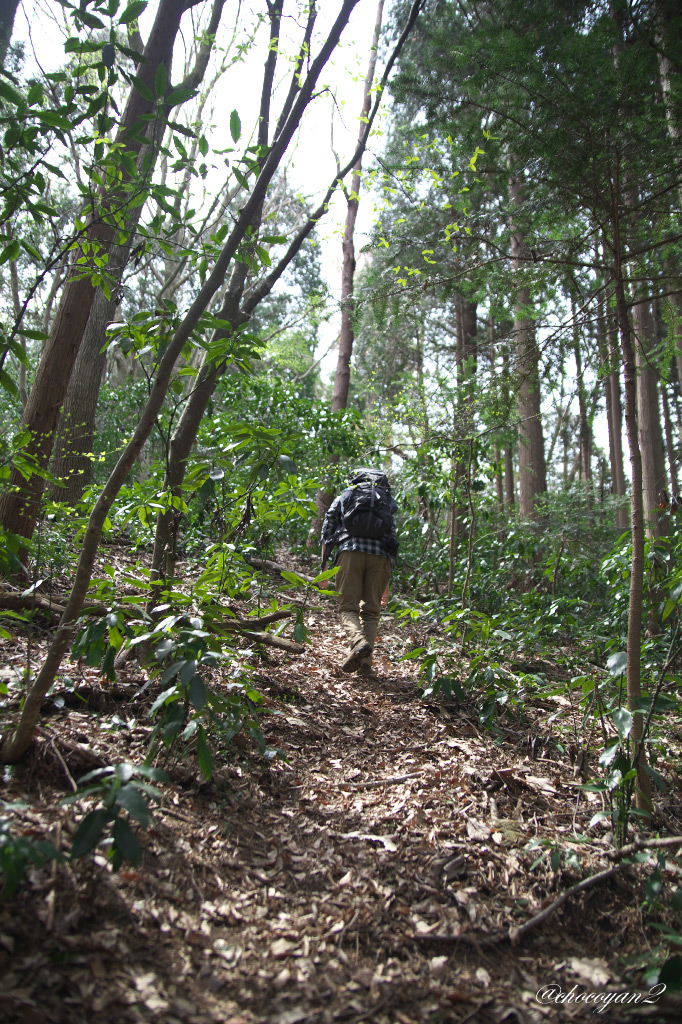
(90, 20)
(10, 252)
(188, 671)
(292, 577)
(8, 384)
(608, 756)
(670, 974)
(132, 12)
(177, 96)
(235, 126)
(326, 575)
(197, 692)
(163, 649)
(142, 88)
(9, 93)
(126, 842)
(622, 719)
(617, 663)
(134, 803)
(89, 832)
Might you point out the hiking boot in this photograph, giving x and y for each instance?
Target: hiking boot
(358, 651)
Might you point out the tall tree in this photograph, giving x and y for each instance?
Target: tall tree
(19, 505)
(532, 467)
(72, 459)
(347, 333)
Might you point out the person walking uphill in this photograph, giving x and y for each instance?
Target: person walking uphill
(360, 524)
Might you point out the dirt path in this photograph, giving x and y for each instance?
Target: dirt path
(373, 877)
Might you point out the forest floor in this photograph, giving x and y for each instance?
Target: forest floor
(374, 875)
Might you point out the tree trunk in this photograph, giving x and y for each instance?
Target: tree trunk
(72, 460)
(19, 505)
(532, 468)
(167, 525)
(669, 445)
(634, 652)
(8, 10)
(73, 443)
(655, 484)
(324, 497)
(585, 428)
(607, 339)
(347, 332)
(509, 486)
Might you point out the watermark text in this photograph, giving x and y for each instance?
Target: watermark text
(599, 1002)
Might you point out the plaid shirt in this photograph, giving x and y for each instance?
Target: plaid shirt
(334, 533)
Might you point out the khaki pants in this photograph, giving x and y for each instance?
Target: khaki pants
(361, 582)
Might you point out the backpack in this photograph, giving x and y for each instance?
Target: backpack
(368, 507)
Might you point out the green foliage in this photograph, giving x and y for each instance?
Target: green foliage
(124, 791)
(18, 852)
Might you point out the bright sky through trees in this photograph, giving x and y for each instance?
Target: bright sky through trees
(329, 128)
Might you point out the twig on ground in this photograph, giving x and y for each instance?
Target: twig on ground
(642, 843)
(516, 934)
(376, 783)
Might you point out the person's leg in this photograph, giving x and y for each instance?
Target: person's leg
(349, 586)
(376, 577)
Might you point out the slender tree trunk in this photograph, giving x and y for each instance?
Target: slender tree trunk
(324, 496)
(73, 443)
(669, 445)
(497, 452)
(347, 333)
(667, 40)
(168, 523)
(655, 482)
(584, 429)
(667, 389)
(607, 336)
(532, 468)
(509, 486)
(634, 652)
(16, 303)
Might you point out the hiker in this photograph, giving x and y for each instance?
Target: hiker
(360, 524)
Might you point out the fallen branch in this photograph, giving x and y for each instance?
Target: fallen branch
(28, 602)
(516, 934)
(273, 641)
(260, 563)
(264, 620)
(641, 843)
(376, 783)
(79, 751)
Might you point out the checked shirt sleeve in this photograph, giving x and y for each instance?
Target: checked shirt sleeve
(332, 527)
